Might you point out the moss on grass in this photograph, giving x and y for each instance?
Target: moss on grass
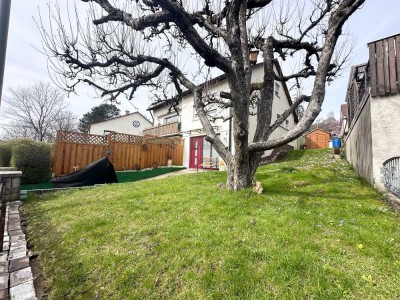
(183, 238)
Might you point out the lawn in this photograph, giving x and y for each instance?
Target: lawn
(317, 232)
(127, 176)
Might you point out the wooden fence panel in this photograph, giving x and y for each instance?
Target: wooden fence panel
(384, 66)
(76, 150)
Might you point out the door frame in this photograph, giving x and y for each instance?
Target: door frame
(192, 152)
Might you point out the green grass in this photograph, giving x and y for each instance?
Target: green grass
(320, 232)
(128, 176)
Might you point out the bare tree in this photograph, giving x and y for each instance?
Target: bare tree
(131, 44)
(329, 124)
(36, 112)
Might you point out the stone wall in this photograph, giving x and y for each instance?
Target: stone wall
(358, 143)
(385, 117)
(11, 185)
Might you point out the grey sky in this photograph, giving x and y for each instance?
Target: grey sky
(25, 65)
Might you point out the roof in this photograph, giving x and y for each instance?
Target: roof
(388, 37)
(122, 116)
(316, 130)
(222, 77)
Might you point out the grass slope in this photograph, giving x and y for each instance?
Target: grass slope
(128, 176)
(317, 232)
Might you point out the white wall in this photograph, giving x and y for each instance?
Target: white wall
(385, 118)
(189, 122)
(122, 124)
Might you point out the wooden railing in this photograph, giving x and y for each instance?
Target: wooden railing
(162, 130)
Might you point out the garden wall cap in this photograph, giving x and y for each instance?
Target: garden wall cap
(10, 173)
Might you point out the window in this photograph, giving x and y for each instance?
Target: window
(171, 119)
(277, 88)
(287, 123)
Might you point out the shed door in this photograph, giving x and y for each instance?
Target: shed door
(322, 140)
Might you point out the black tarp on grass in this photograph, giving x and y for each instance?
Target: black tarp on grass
(98, 172)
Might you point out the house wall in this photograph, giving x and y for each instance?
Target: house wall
(190, 123)
(385, 117)
(358, 143)
(122, 124)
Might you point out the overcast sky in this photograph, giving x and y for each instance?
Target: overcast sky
(25, 64)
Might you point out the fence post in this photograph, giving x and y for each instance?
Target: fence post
(55, 149)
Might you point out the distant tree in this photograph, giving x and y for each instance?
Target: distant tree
(65, 121)
(329, 124)
(97, 114)
(36, 112)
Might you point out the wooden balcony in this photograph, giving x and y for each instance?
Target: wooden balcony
(163, 130)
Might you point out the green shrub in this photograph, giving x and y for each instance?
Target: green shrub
(33, 159)
(5, 154)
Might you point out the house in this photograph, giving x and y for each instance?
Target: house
(130, 123)
(317, 139)
(182, 119)
(344, 124)
(371, 129)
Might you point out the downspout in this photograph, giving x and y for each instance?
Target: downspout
(5, 6)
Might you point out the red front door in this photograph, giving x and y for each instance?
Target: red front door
(196, 151)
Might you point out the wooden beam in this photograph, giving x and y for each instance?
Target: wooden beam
(397, 45)
(380, 68)
(386, 66)
(372, 70)
(392, 66)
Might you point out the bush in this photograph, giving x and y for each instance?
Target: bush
(5, 154)
(33, 159)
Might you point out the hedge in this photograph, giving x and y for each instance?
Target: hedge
(5, 154)
(33, 159)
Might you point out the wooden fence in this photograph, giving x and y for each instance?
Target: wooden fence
(75, 150)
(384, 66)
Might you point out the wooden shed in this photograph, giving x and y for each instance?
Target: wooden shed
(317, 139)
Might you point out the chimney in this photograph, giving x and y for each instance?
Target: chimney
(127, 112)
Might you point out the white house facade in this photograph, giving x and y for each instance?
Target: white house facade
(371, 129)
(183, 120)
(130, 123)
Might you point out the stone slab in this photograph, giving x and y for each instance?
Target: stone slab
(4, 281)
(4, 294)
(3, 268)
(15, 232)
(16, 238)
(18, 264)
(20, 276)
(3, 257)
(18, 253)
(25, 291)
(14, 227)
(18, 244)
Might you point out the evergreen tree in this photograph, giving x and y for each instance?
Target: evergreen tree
(97, 114)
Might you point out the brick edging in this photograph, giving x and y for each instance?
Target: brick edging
(16, 279)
